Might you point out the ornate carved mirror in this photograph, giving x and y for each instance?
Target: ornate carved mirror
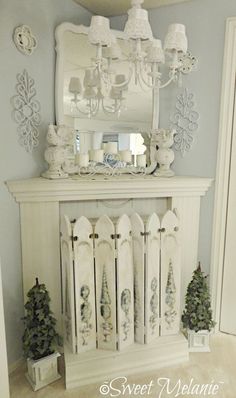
(128, 128)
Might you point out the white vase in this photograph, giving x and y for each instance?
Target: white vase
(199, 341)
(165, 155)
(55, 157)
(43, 371)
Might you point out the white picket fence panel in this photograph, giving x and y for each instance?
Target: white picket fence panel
(125, 283)
(133, 268)
(152, 289)
(68, 293)
(105, 283)
(84, 285)
(170, 275)
(138, 235)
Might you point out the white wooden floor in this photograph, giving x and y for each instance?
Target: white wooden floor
(217, 366)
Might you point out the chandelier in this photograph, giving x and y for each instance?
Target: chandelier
(104, 88)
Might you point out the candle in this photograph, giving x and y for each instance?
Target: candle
(91, 155)
(104, 146)
(111, 147)
(126, 156)
(98, 155)
(141, 160)
(82, 159)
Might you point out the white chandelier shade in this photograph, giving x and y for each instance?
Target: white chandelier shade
(99, 31)
(155, 52)
(137, 25)
(176, 39)
(103, 81)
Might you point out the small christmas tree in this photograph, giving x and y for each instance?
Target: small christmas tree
(198, 314)
(40, 337)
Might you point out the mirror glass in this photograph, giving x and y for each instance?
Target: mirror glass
(129, 127)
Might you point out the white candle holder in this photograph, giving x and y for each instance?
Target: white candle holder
(112, 165)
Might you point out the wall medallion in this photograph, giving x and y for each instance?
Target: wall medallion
(24, 40)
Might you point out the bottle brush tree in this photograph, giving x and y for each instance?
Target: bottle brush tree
(197, 314)
(40, 337)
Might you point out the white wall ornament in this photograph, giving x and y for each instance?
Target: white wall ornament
(184, 121)
(26, 111)
(188, 62)
(24, 40)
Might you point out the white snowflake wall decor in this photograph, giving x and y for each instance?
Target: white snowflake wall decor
(26, 111)
(184, 121)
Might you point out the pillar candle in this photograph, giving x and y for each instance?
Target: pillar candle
(98, 155)
(82, 159)
(111, 147)
(141, 160)
(126, 156)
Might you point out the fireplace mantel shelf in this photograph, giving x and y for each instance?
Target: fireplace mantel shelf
(100, 187)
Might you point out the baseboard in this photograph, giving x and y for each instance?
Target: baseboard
(15, 365)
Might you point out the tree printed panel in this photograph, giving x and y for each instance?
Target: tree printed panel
(68, 284)
(125, 283)
(170, 274)
(152, 278)
(138, 264)
(84, 285)
(105, 283)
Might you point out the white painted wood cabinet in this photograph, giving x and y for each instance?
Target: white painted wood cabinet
(42, 202)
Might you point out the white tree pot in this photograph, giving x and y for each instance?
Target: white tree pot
(199, 341)
(43, 371)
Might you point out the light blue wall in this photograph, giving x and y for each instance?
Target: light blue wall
(42, 16)
(205, 23)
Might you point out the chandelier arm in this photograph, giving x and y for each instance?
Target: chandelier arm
(142, 78)
(116, 107)
(143, 84)
(168, 81)
(119, 85)
(93, 110)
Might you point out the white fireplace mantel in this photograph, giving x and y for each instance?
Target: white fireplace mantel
(42, 202)
(100, 187)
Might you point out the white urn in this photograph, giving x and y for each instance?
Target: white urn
(165, 155)
(55, 157)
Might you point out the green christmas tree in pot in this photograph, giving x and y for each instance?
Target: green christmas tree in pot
(197, 315)
(40, 338)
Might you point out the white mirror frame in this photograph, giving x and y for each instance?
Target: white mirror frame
(59, 81)
(59, 89)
